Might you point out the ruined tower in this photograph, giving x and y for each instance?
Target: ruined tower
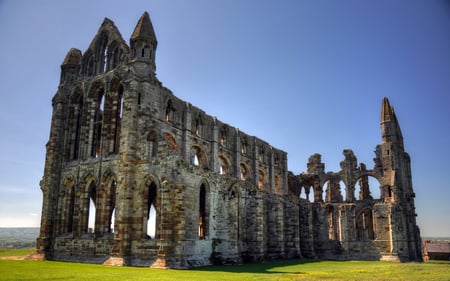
(135, 176)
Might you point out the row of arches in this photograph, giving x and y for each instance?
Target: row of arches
(199, 157)
(201, 125)
(89, 207)
(364, 224)
(94, 121)
(367, 187)
(104, 55)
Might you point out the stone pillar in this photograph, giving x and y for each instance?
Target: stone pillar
(255, 155)
(237, 154)
(52, 177)
(214, 163)
(187, 124)
(126, 184)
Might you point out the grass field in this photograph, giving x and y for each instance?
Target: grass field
(290, 270)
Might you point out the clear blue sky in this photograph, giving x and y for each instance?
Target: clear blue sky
(307, 76)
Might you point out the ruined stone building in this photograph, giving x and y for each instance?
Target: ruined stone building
(167, 185)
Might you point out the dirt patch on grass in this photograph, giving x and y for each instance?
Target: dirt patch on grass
(13, 258)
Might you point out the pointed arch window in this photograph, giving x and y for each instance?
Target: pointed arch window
(244, 171)
(364, 225)
(91, 209)
(261, 155)
(203, 219)
(74, 126)
(223, 136)
(261, 179)
(78, 119)
(68, 206)
(102, 53)
(151, 213)
(96, 120)
(223, 165)
(111, 206)
(88, 63)
(153, 144)
(199, 125)
(118, 120)
(244, 146)
(169, 111)
(198, 156)
(114, 55)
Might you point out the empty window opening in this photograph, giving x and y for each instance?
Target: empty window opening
(112, 220)
(91, 208)
(91, 223)
(198, 126)
(198, 157)
(105, 59)
(78, 115)
(171, 141)
(151, 211)
(151, 222)
(153, 144)
(368, 188)
(92, 211)
(115, 56)
(244, 172)
(71, 212)
(244, 145)
(261, 155)
(375, 189)
(364, 225)
(97, 123)
(332, 225)
(118, 121)
(277, 180)
(112, 206)
(202, 221)
(223, 165)
(342, 191)
(303, 194)
(223, 136)
(120, 102)
(276, 159)
(195, 161)
(261, 179)
(101, 103)
(70, 205)
(169, 111)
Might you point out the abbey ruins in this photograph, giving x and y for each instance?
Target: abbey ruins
(167, 185)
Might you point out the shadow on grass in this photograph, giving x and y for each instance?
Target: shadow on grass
(266, 267)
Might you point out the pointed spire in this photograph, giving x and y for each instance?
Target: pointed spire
(390, 128)
(144, 30)
(387, 111)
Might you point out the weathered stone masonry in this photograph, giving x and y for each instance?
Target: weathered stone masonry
(171, 186)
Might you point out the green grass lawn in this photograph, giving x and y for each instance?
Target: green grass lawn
(15, 252)
(290, 270)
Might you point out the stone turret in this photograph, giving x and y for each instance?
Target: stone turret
(71, 65)
(143, 45)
